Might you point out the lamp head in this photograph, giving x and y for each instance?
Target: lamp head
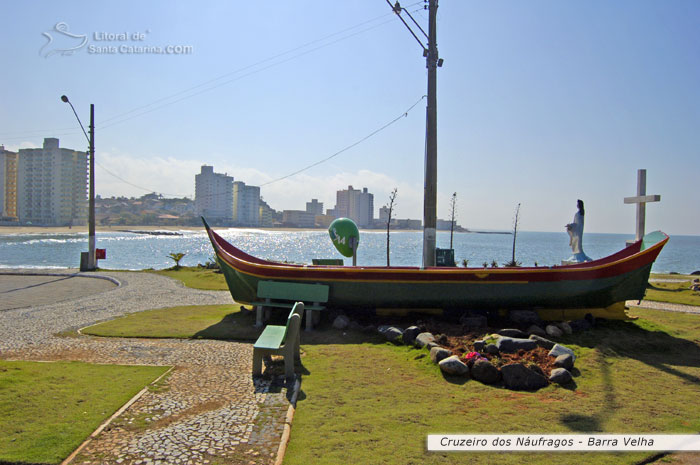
(64, 98)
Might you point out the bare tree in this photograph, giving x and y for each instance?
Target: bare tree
(390, 205)
(515, 234)
(453, 203)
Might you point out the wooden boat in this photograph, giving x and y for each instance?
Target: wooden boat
(596, 284)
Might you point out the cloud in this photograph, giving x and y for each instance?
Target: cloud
(131, 175)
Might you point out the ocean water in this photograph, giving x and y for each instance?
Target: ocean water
(130, 251)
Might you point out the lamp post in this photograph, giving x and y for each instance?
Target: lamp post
(91, 265)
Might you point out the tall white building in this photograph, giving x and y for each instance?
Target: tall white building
(246, 204)
(358, 205)
(52, 185)
(213, 195)
(8, 183)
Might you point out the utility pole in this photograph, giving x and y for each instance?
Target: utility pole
(92, 263)
(432, 61)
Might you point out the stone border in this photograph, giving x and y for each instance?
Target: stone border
(284, 440)
(114, 416)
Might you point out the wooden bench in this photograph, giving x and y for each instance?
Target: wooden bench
(327, 261)
(284, 295)
(280, 340)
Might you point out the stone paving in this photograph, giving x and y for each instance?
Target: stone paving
(207, 410)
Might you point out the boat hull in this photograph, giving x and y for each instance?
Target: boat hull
(622, 276)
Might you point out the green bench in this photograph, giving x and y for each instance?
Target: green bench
(327, 261)
(285, 295)
(280, 340)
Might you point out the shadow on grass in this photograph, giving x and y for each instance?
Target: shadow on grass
(625, 339)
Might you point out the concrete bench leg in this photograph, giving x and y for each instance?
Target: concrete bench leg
(258, 316)
(257, 362)
(309, 320)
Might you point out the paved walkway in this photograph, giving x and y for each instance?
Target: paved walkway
(665, 306)
(209, 409)
(22, 290)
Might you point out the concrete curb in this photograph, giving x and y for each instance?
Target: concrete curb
(116, 414)
(284, 440)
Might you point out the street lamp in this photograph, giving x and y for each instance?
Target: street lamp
(92, 263)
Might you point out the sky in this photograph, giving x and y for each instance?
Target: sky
(540, 103)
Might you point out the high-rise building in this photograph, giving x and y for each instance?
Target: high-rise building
(8, 183)
(246, 204)
(213, 195)
(358, 205)
(266, 214)
(52, 185)
(314, 207)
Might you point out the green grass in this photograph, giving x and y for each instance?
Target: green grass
(676, 293)
(48, 409)
(197, 278)
(198, 322)
(376, 403)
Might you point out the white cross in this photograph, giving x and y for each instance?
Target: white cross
(641, 200)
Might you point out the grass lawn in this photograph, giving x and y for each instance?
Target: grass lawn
(376, 403)
(676, 293)
(48, 409)
(364, 401)
(199, 322)
(197, 278)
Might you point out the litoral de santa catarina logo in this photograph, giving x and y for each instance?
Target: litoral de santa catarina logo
(61, 41)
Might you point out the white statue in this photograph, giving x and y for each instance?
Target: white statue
(575, 231)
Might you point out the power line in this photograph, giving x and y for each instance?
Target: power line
(237, 78)
(354, 144)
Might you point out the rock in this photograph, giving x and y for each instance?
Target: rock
(536, 330)
(341, 322)
(392, 333)
(560, 376)
(479, 346)
(559, 349)
(355, 326)
(511, 332)
(409, 335)
(523, 317)
(510, 345)
(442, 339)
(553, 331)
(423, 339)
(484, 371)
(565, 327)
(430, 345)
(453, 366)
(542, 342)
(580, 325)
(473, 321)
(564, 361)
(439, 353)
(517, 376)
(491, 349)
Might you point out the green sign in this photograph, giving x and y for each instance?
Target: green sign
(344, 234)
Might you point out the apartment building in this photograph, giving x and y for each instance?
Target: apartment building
(246, 204)
(358, 205)
(52, 185)
(213, 195)
(8, 184)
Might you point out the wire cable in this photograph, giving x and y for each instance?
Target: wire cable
(354, 144)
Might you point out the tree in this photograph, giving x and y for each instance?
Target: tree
(512, 261)
(177, 256)
(392, 199)
(453, 203)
